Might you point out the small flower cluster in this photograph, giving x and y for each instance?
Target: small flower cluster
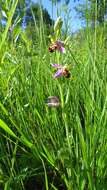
(61, 71)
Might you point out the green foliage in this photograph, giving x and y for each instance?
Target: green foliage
(38, 12)
(93, 10)
(36, 15)
(53, 148)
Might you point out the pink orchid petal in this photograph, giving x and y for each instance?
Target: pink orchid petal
(58, 66)
(62, 50)
(58, 74)
(60, 43)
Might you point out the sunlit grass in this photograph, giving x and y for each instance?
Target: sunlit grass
(54, 148)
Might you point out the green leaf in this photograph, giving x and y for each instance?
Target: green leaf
(25, 141)
(3, 108)
(46, 178)
(4, 14)
(4, 126)
(58, 25)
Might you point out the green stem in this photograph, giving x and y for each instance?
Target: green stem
(8, 22)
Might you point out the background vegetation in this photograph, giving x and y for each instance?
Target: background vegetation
(49, 148)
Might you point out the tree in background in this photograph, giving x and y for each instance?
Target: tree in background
(93, 10)
(35, 11)
(64, 1)
(26, 12)
(28, 17)
(58, 1)
(101, 9)
(36, 16)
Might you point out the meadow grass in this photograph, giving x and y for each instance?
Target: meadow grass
(53, 148)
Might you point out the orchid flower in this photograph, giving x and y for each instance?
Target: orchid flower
(61, 71)
(53, 101)
(57, 45)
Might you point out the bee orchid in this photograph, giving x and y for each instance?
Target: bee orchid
(61, 71)
(53, 101)
(57, 45)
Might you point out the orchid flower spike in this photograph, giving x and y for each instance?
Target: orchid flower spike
(61, 71)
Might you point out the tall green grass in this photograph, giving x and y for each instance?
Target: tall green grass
(49, 148)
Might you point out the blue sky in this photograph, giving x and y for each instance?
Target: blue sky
(75, 23)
